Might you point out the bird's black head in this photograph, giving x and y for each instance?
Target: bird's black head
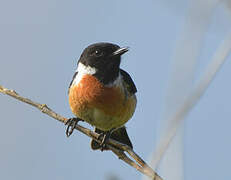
(105, 58)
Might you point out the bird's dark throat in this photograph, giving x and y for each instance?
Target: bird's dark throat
(107, 76)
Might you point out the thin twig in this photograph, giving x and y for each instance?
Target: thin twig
(116, 147)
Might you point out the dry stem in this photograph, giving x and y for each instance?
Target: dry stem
(116, 147)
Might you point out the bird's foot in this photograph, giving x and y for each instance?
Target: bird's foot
(71, 124)
(105, 135)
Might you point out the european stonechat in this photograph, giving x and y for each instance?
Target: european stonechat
(102, 94)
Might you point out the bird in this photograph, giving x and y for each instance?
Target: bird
(102, 94)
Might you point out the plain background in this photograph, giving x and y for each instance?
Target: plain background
(40, 43)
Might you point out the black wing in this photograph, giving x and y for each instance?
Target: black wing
(72, 80)
(129, 82)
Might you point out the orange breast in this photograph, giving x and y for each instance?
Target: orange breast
(90, 94)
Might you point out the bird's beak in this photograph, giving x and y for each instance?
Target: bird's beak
(120, 51)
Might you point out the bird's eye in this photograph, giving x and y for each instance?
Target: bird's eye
(98, 53)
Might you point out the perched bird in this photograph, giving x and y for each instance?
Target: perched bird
(102, 94)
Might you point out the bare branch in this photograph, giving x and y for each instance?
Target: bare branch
(116, 147)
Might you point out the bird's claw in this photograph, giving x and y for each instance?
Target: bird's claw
(105, 136)
(71, 124)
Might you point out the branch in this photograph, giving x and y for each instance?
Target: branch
(117, 148)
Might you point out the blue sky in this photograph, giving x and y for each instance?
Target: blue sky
(41, 42)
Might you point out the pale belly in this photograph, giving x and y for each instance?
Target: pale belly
(103, 121)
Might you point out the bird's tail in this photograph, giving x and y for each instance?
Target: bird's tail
(119, 135)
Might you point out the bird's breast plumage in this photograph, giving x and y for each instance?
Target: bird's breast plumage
(105, 107)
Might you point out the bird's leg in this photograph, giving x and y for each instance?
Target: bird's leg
(71, 124)
(106, 135)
